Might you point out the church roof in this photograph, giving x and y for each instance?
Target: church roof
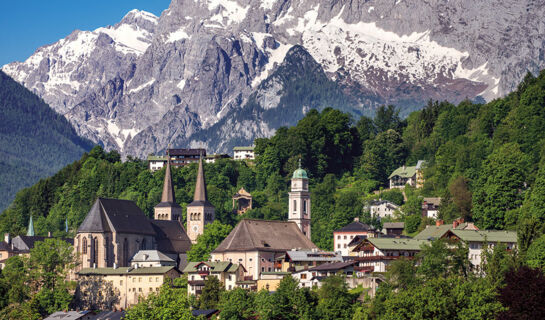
(265, 235)
(168, 198)
(122, 216)
(150, 255)
(170, 236)
(200, 197)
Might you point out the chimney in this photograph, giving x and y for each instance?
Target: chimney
(454, 224)
(357, 219)
(7, 238)
(439, 223)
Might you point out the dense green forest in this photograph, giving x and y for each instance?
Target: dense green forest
(486, 161)
(35, 141)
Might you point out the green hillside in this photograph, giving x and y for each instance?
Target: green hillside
(486, 161)
(35, 141)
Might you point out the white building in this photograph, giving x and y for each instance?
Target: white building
(314, 276)
(243, 153)
(476, 238)
(343, 236)
(151, 258)
(375, 254)
(156, 163)
(430, 207)
(227, 273)
(382, 208)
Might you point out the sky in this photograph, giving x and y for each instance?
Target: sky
(26, 25)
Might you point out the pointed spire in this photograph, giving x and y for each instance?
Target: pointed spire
(168, 187)
(200, 187)
(30, 231)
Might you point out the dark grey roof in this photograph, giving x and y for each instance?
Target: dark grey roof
(200, 187)
(171, 236)
(123, 216)
(394, 225)
(355, 226)
(333, 266)
(200, 204)
(4, 246)
(357, 239)
(25, 243)
(266, 235)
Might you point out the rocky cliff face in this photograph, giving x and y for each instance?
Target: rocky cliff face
(205, 72)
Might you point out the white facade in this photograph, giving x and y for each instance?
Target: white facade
(382, 209)
(299, 204)
(241, 153)
(342, 239)
(155, 165)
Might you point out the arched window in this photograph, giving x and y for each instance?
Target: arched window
(304, 206)
(106, 249)
(84, 245)
(294, 205)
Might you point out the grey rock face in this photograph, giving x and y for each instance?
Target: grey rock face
(204, 62)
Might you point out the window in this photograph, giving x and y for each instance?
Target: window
(139, 279)
(338, 246)
(84, 246)
(269, 269)
(150, 289)
(305, 206)
(250, 259)
(344, 237)
(345, 245)
(156, 279)
(139, 289)
(339, 237)
(157, 289)
(262, 269)
(294, 205)
(192, 278)
(303, 276)
(120, 282)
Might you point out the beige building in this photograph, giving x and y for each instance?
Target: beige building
(242, 201)
(256, 244)
(200, 212)
(229, 274)
(343, 237)
(131, 283)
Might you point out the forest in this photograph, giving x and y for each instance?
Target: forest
(487, 162)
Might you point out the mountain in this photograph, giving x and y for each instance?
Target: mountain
(35, 141)
(203, 63)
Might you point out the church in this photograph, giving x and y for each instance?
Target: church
(115, 230)
(259, 245)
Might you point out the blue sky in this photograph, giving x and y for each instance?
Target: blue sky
(26, 25)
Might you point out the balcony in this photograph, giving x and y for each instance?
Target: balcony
(365, 269)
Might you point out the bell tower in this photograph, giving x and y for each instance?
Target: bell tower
(168, 209)
(200, 212)
(299, 203)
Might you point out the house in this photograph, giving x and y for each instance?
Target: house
(430, 207)
(475, 239)
(375, 254)
(129, 283)
(242, 201)
(226, 272)
(296, 259)
(343, 236)
(182, 157)
(243, 153)
(156, 163)
(270, 280)
(393, 228)
(151, 258)
(402, 176)
(314, 276)
(420, 166)
(382, 208)
(436, 231)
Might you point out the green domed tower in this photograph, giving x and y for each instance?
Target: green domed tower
(299, 203)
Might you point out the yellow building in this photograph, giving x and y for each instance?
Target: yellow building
(130, 283)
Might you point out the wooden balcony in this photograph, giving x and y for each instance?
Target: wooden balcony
(380, 258)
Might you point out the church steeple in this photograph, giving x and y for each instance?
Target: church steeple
(168, 187)
(299, 200)
(30, 231)
(200, 186)
(168, 209)
(199, 212)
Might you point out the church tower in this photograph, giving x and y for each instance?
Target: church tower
(168, 209)
(299, 203)
(200, 212)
